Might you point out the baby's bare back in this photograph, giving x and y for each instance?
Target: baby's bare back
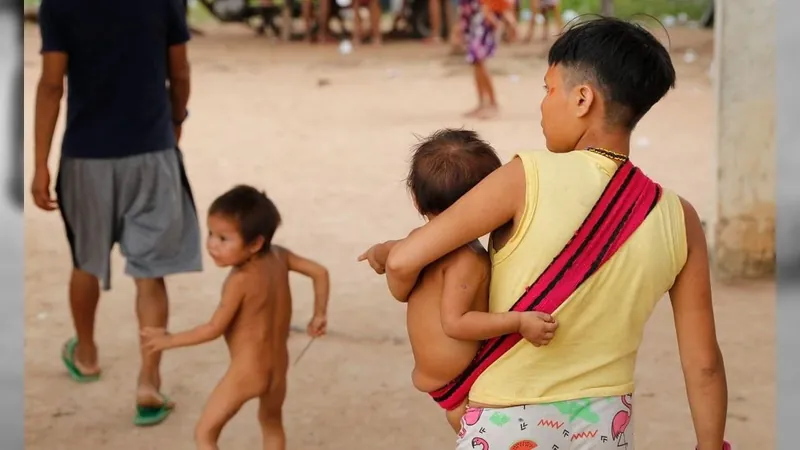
(439, 358)
(257, 335)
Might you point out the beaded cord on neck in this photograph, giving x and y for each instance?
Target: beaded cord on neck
(608, 154)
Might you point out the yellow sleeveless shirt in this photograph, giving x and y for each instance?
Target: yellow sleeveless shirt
(601, 324)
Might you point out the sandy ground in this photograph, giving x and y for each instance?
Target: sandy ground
(333, 155)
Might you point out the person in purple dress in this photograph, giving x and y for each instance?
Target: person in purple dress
(479, 25)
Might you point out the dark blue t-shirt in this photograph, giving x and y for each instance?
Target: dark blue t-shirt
(117, 99)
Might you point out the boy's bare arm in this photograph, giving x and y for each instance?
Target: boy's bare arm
(701, 358)
(232, 295)
(376, 256)
(463, 279)
(495, 201)
(319, 276)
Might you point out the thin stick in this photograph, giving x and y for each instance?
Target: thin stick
(303, 352)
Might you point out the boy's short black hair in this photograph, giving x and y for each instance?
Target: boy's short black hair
(254, 212)
(446, 165)
(624, 61)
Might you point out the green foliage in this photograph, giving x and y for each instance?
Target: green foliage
(627, 8)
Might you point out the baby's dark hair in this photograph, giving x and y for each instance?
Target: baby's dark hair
(446, 165)
(625, 62)
(252, 210)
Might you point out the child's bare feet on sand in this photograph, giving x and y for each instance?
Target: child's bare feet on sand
(474, 112)
(433, 40)
(488, 112)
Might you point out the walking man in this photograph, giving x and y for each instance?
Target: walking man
(121, 177)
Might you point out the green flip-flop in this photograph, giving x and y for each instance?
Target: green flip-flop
(68, 357)
(152, 415)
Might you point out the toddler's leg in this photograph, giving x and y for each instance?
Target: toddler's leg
(454, 416)
(226, 400)
(270, 414)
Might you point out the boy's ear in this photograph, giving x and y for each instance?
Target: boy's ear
(257, 244)
(584, 99)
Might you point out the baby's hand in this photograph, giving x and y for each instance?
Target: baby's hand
(318, 326)
(536, 327)
(154, 339)
(371, 257)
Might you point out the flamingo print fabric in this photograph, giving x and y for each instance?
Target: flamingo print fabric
(586, 424)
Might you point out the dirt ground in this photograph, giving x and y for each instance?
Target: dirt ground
(327, 135)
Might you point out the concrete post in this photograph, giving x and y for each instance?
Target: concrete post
(744, 240)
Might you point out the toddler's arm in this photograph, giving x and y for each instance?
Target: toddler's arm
(462, 280)
(157, 339)
(376, 256)
(319, 276)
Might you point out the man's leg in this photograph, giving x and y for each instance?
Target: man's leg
(152, 310)
(160, 236)
(83, 189)
(84, 293)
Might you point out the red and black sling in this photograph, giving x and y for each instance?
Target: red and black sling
(627, 200)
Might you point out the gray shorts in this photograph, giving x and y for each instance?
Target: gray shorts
(143, 202)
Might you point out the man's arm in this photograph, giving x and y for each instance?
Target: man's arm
(49, 93)
(494, 202)
(462, 281)
(178, 61)
(701, 358)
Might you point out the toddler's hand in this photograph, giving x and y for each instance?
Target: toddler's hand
(370, 256)
(318, 326)
(537, 328)
(154, 339)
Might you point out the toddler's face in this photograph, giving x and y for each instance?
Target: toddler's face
(225, 243)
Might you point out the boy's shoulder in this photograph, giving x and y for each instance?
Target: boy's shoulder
(470, 256)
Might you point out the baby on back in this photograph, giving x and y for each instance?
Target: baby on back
(447, 316)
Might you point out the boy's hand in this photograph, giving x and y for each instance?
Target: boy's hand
(154, 339)
(536, 327)
(318, 326)
(371, 256)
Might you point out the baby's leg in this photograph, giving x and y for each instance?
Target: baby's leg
(270, 413)
(225, 401)
(454, 416)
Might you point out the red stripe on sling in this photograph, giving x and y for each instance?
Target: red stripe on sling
(624, 204)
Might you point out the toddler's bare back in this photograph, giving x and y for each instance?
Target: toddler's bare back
(259, 332)
(439, 358)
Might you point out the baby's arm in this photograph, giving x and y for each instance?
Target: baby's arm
(376, 256)
(319, 276)
(462, 279)
(157, 339)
